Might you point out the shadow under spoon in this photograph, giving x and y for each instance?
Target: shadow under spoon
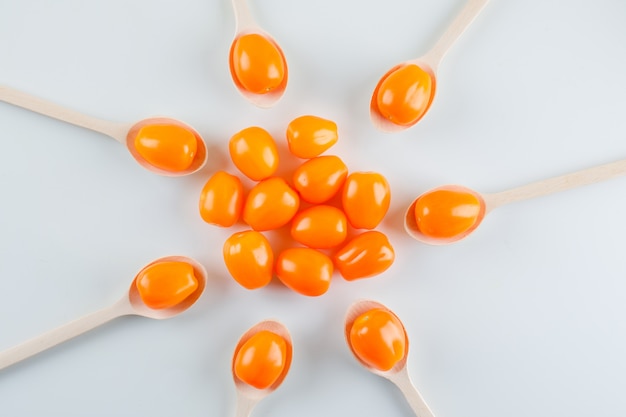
(129, 304)
(124, 133)
(488, 202)
(254, 64)
(416, 94)
(398, 374)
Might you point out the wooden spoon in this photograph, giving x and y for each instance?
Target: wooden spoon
(489, 202)
(429, 64)
(129, 304)
(248, 396)
(398, 374)
(246, 25)
(124, 133)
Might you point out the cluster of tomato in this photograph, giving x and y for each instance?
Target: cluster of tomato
(321, 228)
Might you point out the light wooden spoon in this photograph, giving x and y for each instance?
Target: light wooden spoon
(248, 396)
(398, 374)
(129, 304)
(428, 63)
(125, 133)
(489, 202)
(245, 25)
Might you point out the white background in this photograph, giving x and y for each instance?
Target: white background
(525, 317)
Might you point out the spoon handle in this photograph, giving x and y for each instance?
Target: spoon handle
(243, 17)
(117, 131)
(245, 405)
(61, 334)
(412, 395)
(556, 184)
(471, 9)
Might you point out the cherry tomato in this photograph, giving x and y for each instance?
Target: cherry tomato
(366, 255)
(221, 199)
(270, 204)
(310, 136)
(257, 64)
(320, 227)
(378, 339)
(260, 360)
(254, 153)
(166, 146)
(447, 213)
(166, 284)
(318, 179)
(249, 259)
(404, 95)
(365, 198)
(304, 270)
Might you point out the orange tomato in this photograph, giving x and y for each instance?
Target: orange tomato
(166, 284)
(249, 259)
(378, 339)
(270, 204)
(261, 359)
(365, 198)
(254, 153)
(318, 179)
(304, 270)
(309, 136)
(366, 255)
(221, 199)
(320, 227)
(257, 64)
(404, 95)
(447, 213)
(166, 146)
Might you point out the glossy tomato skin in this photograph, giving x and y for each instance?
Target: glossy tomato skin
(320, 178)
(366, 197)
(320, 227)
(310, 136)
(366, 255)
(221, 199)
(271, 204)
(405, 94)
(447, 213)
(378, 339)
(254, 153)
(261, 360)
(257, 64)
(305, 271)
(249, 259)
(166, 284)
(168, 147)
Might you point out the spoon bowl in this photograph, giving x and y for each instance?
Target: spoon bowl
(354, 311)
(130, 304)
(445, 213)
(124, 133)
(140, 309)
(398, 374)
(198, 162)
(247, 395)
(376, 115)
(412, 90)
(246, 25)
(412, 228)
